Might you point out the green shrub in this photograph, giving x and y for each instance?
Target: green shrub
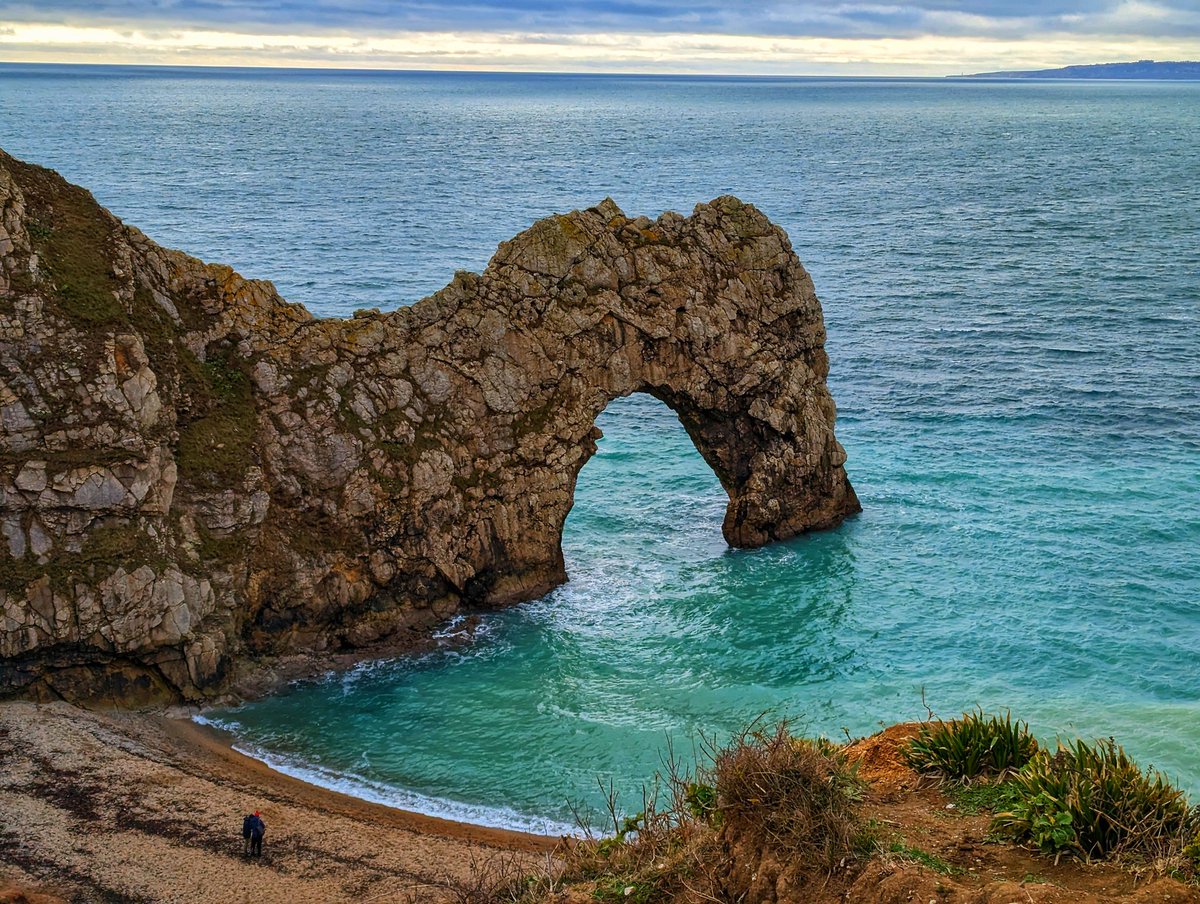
(972, 746)
(1093, 800)
(1191, 850)
(701, 801)
(629, 825)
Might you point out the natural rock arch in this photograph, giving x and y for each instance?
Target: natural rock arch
(274, 482)
(711, 314)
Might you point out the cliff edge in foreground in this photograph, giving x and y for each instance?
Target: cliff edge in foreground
(196, 474)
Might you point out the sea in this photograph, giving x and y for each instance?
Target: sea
(1010, 274)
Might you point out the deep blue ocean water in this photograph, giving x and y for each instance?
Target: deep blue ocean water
(1011, 281)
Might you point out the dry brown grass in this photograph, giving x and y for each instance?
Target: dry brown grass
(797, 797)
(763, 806)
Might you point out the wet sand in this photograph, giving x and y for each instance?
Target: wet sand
(122, 806)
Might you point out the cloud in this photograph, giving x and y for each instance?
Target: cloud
(797, 37)
(790, 18)
(541, 51)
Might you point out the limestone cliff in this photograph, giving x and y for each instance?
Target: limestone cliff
(195, 474)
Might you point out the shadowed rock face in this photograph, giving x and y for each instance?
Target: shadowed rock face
(195, 474)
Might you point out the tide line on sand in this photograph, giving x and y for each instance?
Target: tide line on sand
(387, 795)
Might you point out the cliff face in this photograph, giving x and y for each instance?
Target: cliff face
(195, 473)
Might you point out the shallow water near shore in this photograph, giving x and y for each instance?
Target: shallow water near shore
(1011, 282)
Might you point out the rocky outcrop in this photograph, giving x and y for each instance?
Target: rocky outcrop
(195, 473)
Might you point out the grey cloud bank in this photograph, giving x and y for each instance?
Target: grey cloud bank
(986, 18)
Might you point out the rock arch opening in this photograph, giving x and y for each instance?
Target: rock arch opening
(646, 493)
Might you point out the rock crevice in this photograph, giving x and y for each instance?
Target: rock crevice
(195, 474)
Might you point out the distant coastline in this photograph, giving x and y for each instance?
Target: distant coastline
(1185, 70)
(1142, 69)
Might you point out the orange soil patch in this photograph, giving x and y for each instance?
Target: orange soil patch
(881, 763)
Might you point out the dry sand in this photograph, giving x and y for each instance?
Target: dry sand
(139, 807)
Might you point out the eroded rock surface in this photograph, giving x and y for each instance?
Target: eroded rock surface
(196, 474)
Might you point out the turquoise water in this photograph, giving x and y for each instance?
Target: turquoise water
(1011, 280)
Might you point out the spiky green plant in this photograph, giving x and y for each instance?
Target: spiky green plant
(1191, 850)
(971, 746)
(1093, 800)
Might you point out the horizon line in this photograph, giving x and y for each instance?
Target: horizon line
(385, 70)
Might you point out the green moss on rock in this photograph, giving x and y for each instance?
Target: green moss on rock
(106, 549)
(217, 447)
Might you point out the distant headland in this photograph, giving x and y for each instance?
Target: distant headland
(1148, 69)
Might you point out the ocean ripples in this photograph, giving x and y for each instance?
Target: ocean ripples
(1012, 293)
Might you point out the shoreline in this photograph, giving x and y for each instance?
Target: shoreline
(137, 806)
(402, 799)
(218, 743)
(265, 677)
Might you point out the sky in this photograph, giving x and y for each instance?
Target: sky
(796, 37)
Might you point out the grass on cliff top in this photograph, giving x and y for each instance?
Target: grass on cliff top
(902, 850)
(72, 236)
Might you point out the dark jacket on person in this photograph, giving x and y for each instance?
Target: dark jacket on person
(253, 827)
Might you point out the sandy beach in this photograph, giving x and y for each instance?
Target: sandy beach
(142, 807)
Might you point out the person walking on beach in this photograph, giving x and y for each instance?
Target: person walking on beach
(253, 829)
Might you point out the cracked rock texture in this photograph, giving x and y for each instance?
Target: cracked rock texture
(196, 476)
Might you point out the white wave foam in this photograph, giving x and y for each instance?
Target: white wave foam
(452, 628)
(223, 724)
(400, 798)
